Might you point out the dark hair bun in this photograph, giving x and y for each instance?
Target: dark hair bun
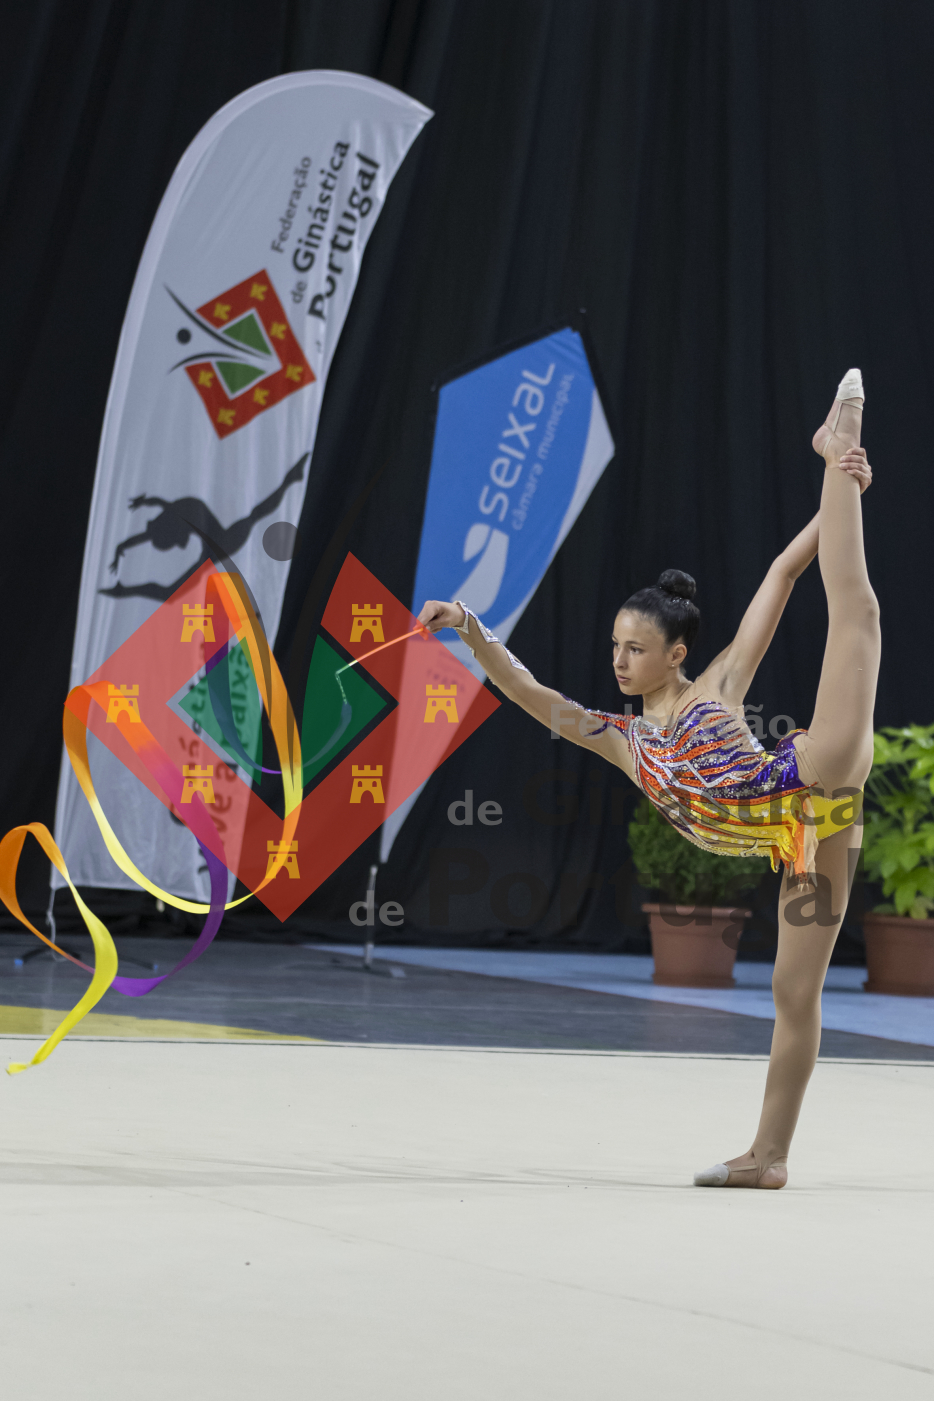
(676, 583)
(657, 604)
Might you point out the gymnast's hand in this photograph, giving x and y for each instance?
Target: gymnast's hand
(435, 616)
(855, 462)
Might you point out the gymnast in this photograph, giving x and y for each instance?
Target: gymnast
(692, 753)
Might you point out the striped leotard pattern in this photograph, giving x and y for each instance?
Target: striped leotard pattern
(713, 781)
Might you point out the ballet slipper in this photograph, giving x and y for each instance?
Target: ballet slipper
(770, 1177)
(840, 429)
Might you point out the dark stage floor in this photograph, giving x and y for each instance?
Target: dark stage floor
(294, 991)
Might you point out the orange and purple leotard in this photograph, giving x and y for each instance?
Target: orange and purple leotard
(711, 778)
(713, 781)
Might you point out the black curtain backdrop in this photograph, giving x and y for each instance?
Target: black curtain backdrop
(736, 192)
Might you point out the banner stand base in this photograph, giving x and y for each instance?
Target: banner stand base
(42, 952)
(366, 963)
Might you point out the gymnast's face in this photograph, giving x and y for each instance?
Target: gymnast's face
(642, 659)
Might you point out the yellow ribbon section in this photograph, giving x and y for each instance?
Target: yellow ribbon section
(245, 626)
(272, 691)
(105, 952)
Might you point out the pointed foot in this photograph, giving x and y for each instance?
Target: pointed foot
(745, 1172)
(716, 1176)
(841, 428)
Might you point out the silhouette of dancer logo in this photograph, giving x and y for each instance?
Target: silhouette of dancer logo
(246, 358)
(178, 520)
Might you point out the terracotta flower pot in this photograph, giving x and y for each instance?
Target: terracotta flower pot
(899, 955)
(689, 947)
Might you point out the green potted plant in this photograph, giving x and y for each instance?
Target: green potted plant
(695, 925)
(898, 851)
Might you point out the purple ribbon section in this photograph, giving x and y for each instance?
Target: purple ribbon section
(138, 987)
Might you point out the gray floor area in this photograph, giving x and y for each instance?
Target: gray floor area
(845, 1004)
(318, 993)
(244, 1221)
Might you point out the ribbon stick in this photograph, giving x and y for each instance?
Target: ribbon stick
(346, 707)
(419, 630)
(222, 707)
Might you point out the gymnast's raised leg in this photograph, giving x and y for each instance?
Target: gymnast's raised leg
(835, 754)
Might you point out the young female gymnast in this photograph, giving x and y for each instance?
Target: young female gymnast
(693, 755)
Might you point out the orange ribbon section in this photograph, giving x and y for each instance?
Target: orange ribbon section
(246, 628)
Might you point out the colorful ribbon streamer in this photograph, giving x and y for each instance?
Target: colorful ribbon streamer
(245, 627)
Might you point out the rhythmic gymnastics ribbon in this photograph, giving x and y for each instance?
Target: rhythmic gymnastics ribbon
(246, 628)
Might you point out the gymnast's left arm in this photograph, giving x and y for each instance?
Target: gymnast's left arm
(565, 718)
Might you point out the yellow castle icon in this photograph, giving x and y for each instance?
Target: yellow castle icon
(441, 701)
(367, 780)
(274, 849)
(198, 780)
(367, 617)
(122, 700)
(197, 618)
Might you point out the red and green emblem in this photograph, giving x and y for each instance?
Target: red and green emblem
(254, 361)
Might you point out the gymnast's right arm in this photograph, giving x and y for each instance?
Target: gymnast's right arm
(564, 717)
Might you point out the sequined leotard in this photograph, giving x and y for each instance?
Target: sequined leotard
(713, 781)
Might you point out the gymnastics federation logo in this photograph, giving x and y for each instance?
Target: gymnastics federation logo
(249, 359)
(370, 734)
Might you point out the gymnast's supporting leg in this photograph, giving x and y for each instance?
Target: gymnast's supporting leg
(808, 925)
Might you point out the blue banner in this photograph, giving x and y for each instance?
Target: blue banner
(519, 444)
